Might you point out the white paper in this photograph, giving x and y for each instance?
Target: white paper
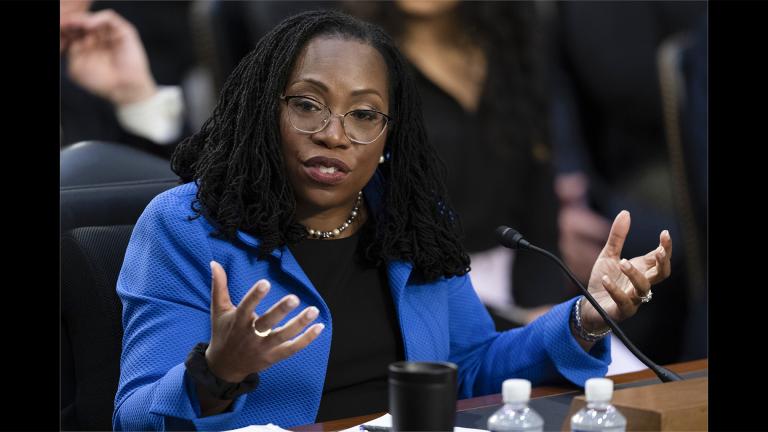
(259, 428)
(386, 420)
(622, 360)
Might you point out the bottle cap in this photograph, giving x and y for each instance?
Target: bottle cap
(599, 390)
(516, 390)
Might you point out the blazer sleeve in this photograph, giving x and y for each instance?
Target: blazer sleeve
(164, 286)
(543, 351)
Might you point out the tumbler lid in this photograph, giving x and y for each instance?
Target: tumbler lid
(422, 372)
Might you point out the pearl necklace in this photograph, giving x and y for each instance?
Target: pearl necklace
(317, 234)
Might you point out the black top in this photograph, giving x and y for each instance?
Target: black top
(492, 184)
(366, 334)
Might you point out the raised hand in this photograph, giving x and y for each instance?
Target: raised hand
(106, 57)
(235, 349)
(620, 285)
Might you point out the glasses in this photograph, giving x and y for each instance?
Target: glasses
(361, 126)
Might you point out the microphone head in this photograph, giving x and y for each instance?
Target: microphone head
(508, 237)
(501, 230)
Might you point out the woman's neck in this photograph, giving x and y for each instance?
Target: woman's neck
(438, 31)
(448, 57)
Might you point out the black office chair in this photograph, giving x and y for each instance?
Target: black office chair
(91, 327)
(97, 221)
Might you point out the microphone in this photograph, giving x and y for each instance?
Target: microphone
(512, 239)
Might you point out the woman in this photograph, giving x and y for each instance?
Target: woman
(318, 132)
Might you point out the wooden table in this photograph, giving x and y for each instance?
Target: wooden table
(495, 399)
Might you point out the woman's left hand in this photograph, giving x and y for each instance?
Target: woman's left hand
(619, 285)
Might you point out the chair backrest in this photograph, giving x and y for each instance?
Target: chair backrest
(99, 162)
(91, 258)
(105, 183)
(109, 203)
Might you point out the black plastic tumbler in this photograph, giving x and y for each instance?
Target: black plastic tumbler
(422, 396)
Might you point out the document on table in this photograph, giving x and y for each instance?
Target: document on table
(259, 428)
(385, 422)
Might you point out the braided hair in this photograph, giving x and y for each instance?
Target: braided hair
(237, 162)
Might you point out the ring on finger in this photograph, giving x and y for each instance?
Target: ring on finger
(646, 298)
(264, 333)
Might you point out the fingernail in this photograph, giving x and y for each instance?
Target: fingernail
(625, 264)
(211, 263)
(292, 301)
(318, 328)
(262, 286)
(312, 313)
(605, 279)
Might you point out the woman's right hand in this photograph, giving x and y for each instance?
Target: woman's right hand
(235, 351)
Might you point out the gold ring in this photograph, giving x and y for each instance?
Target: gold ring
(265, 333)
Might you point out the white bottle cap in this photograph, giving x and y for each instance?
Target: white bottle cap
(516, 390)
(599, 390)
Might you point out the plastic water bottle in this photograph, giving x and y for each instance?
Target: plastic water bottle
(515, 414)
(599, 414)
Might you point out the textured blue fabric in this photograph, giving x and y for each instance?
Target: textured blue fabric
(165, 289)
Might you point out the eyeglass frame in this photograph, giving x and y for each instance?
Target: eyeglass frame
(387, 119)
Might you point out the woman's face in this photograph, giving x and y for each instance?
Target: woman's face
(344, 75)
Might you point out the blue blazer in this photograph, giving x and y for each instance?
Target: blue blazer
(165, 285)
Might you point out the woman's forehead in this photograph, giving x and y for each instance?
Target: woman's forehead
(348, 66)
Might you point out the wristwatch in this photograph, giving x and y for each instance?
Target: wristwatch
(197, 368)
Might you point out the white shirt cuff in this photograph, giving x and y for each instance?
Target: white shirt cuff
(158, 118)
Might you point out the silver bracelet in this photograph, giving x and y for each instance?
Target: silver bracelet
(587, 336)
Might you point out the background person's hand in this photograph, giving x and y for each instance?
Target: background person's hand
(582, 236)
(67, 10)
(106, 57)
(235, 351)
(582, 231)
(618, 284)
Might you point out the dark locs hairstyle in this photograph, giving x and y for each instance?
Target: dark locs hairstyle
(237, 160)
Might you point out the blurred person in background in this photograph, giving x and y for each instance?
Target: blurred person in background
(480, 70)
(608, 113)
(110, 79)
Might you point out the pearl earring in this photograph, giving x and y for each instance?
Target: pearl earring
(381, 159)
